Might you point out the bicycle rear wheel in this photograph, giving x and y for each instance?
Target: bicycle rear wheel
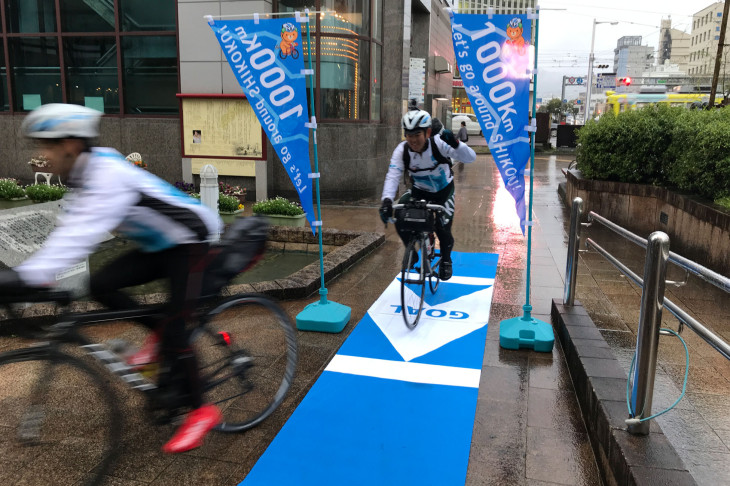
(59, 420)
(413, 282)
(247, 349)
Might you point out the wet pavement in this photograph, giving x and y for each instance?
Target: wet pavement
(528, 428)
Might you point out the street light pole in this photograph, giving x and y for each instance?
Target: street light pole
(590, 71)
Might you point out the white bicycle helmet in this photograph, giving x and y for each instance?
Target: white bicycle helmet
(60, 120)
(416, 120)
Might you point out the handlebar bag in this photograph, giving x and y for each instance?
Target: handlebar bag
(415, 219)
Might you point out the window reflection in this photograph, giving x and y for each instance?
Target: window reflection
(144, 15)
(375, 88)
(91, 72)
(86, 16)
(344, 78)
(36, 72)
(349, 17)
(150, 74)
(30, 16)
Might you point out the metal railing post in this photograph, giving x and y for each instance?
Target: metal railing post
(571, 268)
(652, 302)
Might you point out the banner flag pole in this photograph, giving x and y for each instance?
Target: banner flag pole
(526, 331)
(325, 315)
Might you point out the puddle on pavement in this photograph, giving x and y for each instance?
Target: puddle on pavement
(275, 264)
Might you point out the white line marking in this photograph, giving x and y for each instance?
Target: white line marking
(405, 371)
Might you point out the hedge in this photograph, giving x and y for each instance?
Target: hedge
(685, 150)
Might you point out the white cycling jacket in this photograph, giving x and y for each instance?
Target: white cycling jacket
(110, 194)
(436, 177)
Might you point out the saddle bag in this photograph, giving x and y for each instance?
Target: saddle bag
(241, 246)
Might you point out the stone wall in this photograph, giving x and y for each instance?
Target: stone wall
(697, 229)
(156, 139)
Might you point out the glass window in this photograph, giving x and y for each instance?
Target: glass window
(4, 105)
(146, 15)
(300, 6)
(349, 17)
(91, 72)
(375, 85)
(30, 16)
(378, 20)
(344, 78)
(87, 16)
(36, 72)
(150, 74)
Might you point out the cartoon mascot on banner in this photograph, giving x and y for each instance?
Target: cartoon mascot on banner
(515, 50)
(287, 46)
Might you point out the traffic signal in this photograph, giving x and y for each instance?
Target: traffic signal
(602, 66)
(625, 81)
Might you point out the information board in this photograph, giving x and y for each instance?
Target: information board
(221, 127)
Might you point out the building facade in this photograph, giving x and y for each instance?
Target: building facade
(673, 46)
(630, 58)
(133, 60)
(704, 39)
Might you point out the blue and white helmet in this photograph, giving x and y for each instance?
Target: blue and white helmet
(416, 120)
(515, 23)
(60, 120)
(288, 27)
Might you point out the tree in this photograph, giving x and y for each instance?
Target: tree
(555, 107)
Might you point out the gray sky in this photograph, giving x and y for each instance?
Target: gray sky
(565, 35)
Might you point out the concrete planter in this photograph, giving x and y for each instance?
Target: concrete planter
(282, 220)
(230, 216)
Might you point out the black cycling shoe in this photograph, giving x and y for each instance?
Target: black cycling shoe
(445, 270)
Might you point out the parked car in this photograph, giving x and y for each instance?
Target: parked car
(472, 125)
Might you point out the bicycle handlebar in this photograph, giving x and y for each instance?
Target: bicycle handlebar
(433, 207)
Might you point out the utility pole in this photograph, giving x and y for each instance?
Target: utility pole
(718, 58)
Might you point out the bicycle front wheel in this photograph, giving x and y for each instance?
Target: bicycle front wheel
(247, 349)
(59, 419)
(413, 282)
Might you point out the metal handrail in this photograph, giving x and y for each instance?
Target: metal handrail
(711, 338)
(652, 303)
(704, 273)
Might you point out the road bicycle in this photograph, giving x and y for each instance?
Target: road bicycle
(58, 404)
(421, 260)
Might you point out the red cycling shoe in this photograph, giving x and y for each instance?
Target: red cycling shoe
(191, 433)
(148, 353)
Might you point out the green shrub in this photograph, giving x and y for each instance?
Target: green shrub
(688, 150)
(10, 189)
(278, 206)
(227, 204)
(45, 193)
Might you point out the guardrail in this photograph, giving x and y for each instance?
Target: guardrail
(652, 300)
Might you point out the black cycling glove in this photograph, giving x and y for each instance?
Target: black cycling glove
(448, 137)
(386, 210)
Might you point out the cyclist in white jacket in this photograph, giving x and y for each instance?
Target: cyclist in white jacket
(429, 166)
(172, 231)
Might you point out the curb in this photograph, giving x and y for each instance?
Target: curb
(600, 387)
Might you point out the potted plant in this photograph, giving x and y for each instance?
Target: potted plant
(136, 159)
(281, 212)
(236, 191)
(229, 208)
(38, 164)
(11, 190)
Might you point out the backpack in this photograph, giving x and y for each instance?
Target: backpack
(241, 246)
(440, 158)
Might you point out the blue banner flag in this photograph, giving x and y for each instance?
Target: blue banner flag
(267, 59)
(494, 58)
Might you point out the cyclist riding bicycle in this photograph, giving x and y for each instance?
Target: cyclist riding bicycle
(425, 157)
(172, 231)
